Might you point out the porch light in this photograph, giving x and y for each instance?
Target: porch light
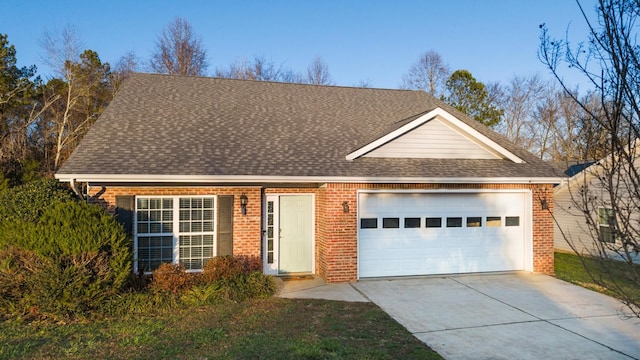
(243, 203)
(544, 204)
(345, 206)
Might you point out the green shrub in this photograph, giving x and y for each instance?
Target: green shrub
(171, 278)
(61, 288)
(29, 201)
(65, 264)
(71, 286)
(203, 294)
(242, 287)
(73, 229)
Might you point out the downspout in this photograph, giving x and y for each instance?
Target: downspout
(74, 187)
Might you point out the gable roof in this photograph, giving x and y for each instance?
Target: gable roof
(451, 128)
(194, 129)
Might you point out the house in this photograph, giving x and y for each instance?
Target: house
(347, 183)
(584, 213)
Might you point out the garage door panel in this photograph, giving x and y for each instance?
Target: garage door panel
(441, 250)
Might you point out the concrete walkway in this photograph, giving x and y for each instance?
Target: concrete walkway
(496, 316)
(316, 288)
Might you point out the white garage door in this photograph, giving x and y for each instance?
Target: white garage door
(441, 233)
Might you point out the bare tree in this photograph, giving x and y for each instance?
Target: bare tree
(428, 73)
(521, 95)
(179, 50)
(364, 83)
(259, 68)
(610, 62)
(81, 91)
(126, 65)
(318, 73)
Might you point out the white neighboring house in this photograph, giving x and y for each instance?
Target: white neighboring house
(584, 199)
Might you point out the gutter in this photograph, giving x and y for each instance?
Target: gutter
(168, 179)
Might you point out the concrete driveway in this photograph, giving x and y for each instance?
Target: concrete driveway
(507, 316)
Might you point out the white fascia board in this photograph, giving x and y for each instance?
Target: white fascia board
(423, 119)
(140, 178)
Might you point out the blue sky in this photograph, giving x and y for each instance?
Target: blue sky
(373, 41)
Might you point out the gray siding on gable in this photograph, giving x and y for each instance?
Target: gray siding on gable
(434, 140)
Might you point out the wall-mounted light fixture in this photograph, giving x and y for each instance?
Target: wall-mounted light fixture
(243, 203)
(345, 206)
(544, 204)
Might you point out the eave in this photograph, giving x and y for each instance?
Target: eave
(258, 179)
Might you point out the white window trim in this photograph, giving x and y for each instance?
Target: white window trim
(176, 226)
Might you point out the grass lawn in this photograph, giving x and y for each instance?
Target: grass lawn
(272, 328)
(569, 268)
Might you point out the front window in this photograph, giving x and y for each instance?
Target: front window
(179, 230)
(605, 221)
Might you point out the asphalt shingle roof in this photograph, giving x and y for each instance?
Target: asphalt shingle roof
(177, 125)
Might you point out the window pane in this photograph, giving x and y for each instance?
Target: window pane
(454, 222)
(155, 215)
(155, 228)
(167, 204)
(371, 223)
(474, 222)
(411, 223)
(512, 221)
(605, 216)
(143, 228)
(494, 221)
(390, 223)
(434, 222)
(143, 203)
(605, 235)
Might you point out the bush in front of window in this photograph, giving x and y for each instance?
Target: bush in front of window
(237, 277)
(171, 278)
(221, 267)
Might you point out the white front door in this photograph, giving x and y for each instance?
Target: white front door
(288, 240)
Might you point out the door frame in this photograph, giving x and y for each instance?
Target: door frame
(273, 269)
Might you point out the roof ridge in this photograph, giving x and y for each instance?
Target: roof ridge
(275, 82)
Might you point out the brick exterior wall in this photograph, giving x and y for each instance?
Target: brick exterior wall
(336, 252)
(338, 234)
